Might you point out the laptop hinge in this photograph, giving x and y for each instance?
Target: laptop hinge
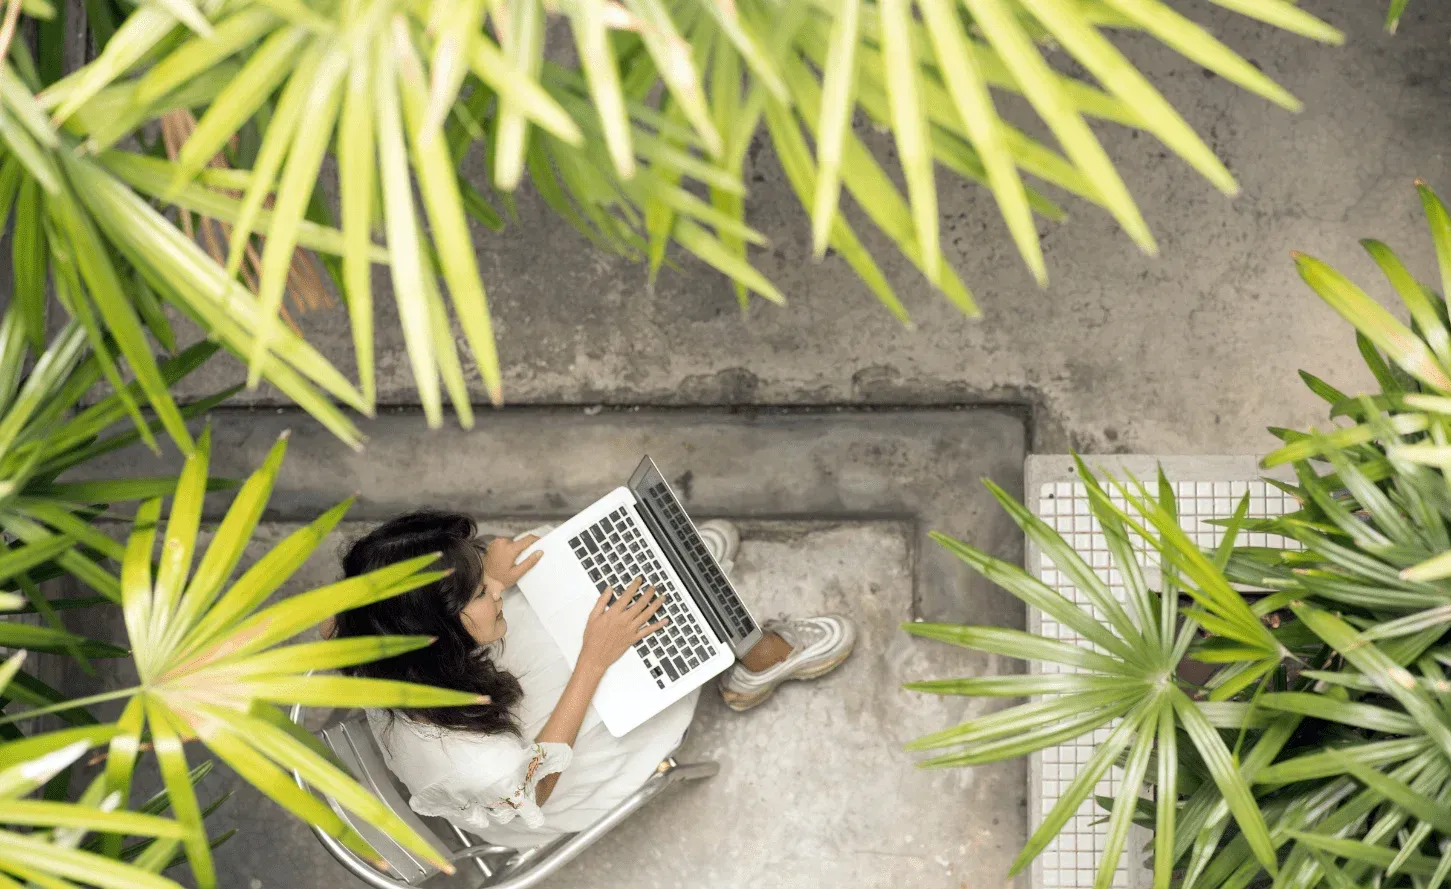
(682, 570)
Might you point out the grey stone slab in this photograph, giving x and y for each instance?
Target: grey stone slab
(921, 465)
(1194, 351)
(814, 790)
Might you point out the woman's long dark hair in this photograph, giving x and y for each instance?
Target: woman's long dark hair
(454, 661)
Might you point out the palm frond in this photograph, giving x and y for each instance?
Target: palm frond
(212, 665)
(44, 431)
(1128, 680)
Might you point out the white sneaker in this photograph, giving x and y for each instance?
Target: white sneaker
(818, 646)
(722, 540)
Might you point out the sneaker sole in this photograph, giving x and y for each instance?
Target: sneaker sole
(742, 702)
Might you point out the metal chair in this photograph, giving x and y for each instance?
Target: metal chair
(500, 866)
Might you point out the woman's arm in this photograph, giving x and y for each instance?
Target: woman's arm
(564, 722)
(609, 634)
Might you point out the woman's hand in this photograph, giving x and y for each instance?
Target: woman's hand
(612, 629)
(499, 558)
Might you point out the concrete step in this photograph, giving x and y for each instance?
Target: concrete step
(922, 466)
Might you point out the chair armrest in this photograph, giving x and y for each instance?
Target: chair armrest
(355, 865)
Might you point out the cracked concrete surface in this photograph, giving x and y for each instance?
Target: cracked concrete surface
(1191, 352)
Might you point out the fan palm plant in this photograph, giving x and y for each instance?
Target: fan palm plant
(210, 666)
(1320, 749)
(345, 124)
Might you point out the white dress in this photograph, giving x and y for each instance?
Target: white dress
(485, 783)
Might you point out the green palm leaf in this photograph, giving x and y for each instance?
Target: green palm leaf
(48, 857)
(1379, 326)
(51, 522)
(206, 652)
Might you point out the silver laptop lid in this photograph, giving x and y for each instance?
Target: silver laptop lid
(665, 515)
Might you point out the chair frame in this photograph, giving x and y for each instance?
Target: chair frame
(503, 867)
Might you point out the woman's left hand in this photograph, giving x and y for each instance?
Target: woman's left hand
(500, 555)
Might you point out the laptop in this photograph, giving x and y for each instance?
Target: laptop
(640, 530)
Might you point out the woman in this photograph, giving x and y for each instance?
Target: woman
(535, 761)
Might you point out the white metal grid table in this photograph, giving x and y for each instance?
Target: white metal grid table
(1206, 488)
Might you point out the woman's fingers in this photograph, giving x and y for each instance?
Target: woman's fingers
(524, 567)
(649, 611)
(515, 547)
(628, 597)
(643, 605)
(650, 628)
(602, 601)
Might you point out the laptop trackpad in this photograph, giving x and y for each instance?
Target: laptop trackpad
(567, 627)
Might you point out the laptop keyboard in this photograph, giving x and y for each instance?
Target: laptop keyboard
(614, 552)
(725, 595)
